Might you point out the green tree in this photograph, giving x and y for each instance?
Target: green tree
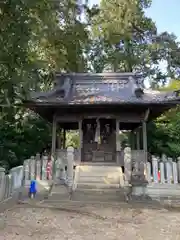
(164, 133)
(37, 37)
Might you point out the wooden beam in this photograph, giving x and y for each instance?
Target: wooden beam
(127, 117)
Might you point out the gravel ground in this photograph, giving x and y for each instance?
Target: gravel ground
(91, 222)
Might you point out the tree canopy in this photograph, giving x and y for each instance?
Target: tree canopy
(39, 37)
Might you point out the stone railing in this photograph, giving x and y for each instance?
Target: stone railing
(156, 170)
(10, 184)
(37, 167)
(163, 170)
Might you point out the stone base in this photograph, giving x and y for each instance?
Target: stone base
(140, 190)
(58, 181)
(139, 184)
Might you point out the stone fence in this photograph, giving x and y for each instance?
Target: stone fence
(43, 168)
(10, 185)
(158, 170)
(163, 170)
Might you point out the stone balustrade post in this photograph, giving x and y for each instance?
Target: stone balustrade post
(148, 172)
(2, 183)
(70, 165)
(26, 169)
(44, 165)
(164, 160)
(169, 170)
(175, 174)
(38, 166)
(162, 176)
(60, 167)
(32, 167)
(16, 177)
(127, 165)
(178, 168)
(155, 168)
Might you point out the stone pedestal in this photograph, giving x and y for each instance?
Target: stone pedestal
(139, 185)
(139, 191)
(135, 173)
(138, 180)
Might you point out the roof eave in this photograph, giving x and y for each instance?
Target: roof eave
(65, 103)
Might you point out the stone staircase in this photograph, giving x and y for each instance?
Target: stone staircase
(92, 183)
(98, 183)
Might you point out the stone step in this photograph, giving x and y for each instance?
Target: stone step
(100, 195)
(98, 169)
(99, 174)
(60, 192)
(97, 182)
(97, 186)
(98, 179)
(163, 186)
(79, 204)
(59, 189)
(100, 190)
(163, 192)
(58, 197)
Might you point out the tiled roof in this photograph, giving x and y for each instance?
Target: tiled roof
(101, 88)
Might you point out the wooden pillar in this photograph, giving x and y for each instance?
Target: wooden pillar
(80, 139)
(144, 131)
(132, 140)
(59, 139)
(118, 143)
(54, 127)
(138, 139)
(64, 138)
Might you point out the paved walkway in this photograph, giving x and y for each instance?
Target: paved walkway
(88, 222)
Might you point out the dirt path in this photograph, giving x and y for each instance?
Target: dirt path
(102, 222)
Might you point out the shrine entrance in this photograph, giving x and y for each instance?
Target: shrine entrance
(99, 140)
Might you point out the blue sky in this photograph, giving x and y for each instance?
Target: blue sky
(165, 13)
